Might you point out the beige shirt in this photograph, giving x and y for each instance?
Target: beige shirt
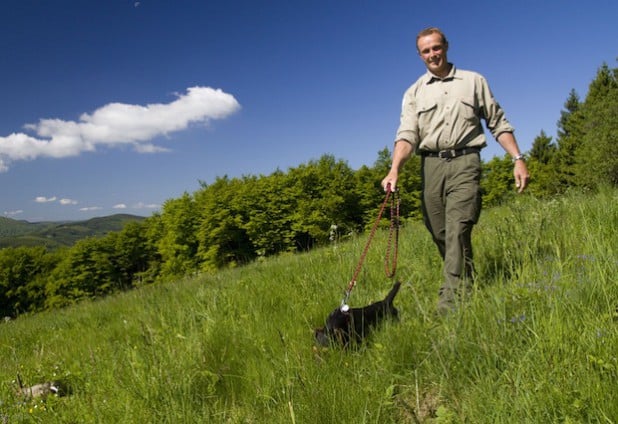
(439, 114)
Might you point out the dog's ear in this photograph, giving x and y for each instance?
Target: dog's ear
(320, 336)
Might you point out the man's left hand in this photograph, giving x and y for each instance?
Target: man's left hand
(521, 175)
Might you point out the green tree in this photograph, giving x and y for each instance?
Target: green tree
(497, 180)
(87, 270)
(597, 161)
(410, 187)
(368, 186)
(540, 165)
(178, 244)
(23, 271)
(565, 124)
(153, 233)
(223, 208)
(326, 195)
(542, 149)
(135, 256)
(570, 133)
(270, 206)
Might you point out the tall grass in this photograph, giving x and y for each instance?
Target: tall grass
(537, 342)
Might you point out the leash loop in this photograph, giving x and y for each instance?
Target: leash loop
(391, 255)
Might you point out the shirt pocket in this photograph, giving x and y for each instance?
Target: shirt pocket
(468, 109)
(426, 111)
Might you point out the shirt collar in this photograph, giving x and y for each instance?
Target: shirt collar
(429, 77)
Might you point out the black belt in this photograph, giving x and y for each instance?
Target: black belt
(451, 153)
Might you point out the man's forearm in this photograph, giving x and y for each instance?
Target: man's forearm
(401, 153)
(520, 171)
(509, 144)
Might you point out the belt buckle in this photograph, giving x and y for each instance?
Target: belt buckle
(446, 154)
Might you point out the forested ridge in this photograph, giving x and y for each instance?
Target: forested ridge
(15, 233)
(234, 221)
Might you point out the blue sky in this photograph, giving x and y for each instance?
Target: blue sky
(115, 106)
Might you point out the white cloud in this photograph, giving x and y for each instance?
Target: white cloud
(13, 213)
(64, 201)
(141, 205)
(117, 124)
(138, 205)
(149, 148)
(90, 208)
(43, 199)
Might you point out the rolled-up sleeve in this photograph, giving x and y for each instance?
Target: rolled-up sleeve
(408, 122)
(493, 114)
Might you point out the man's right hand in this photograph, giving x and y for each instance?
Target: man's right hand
(390, 181)
(401, 153)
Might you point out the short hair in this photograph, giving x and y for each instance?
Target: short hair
(429, 31)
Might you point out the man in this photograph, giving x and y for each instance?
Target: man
(441, 121)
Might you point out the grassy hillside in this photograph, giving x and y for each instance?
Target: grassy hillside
(15, 233)
(536, 343)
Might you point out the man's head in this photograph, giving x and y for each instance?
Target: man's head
(432, 47)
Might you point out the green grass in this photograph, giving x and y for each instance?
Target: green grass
(536, 343)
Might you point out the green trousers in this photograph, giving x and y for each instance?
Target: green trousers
(451, 206)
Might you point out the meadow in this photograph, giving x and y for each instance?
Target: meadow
(536, 342)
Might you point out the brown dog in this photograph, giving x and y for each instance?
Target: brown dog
(345, 325)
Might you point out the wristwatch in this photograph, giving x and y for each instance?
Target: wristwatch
(519, 157)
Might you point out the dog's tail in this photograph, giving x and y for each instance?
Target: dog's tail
(391, 295)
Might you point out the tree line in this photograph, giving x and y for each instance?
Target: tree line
(235, 221)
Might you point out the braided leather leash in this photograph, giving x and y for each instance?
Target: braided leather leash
(390, 260)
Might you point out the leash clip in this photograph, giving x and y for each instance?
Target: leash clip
(344, 302)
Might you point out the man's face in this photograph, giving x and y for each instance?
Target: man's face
(433, 53)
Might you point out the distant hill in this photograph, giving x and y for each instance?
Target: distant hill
(14, 233)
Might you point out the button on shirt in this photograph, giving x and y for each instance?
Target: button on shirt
(446, 113)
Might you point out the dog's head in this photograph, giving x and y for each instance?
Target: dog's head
(321, 336)
(336, 328)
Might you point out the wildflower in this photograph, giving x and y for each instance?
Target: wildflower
(520, 318)
(586, 258)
